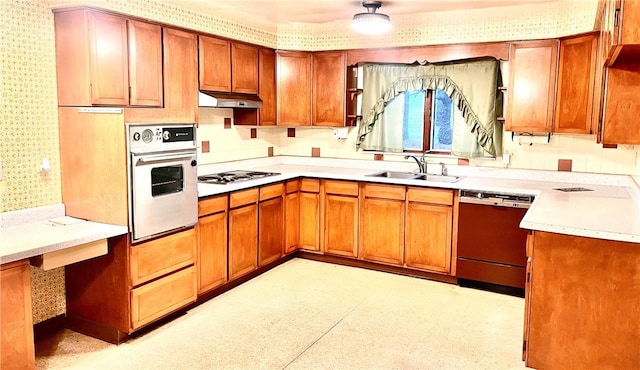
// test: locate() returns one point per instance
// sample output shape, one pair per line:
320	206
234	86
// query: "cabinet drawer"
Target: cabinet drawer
341	188
161	256
310	185
435	196
271	191
161	297
241	198
384	191
212	205
292	186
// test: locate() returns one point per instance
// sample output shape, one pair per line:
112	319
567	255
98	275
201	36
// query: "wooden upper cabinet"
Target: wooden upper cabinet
215	64
180	70
621	31
576	81
145	64
329	86
532	85
244	68
294	88
91	58
267	86
622	107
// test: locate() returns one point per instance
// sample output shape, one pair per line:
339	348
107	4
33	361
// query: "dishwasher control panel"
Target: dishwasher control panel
496	199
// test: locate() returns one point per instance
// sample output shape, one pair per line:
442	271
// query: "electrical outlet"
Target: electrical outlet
340	133
506	158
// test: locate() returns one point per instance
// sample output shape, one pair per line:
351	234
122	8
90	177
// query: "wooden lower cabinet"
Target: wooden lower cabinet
428	234
270	230
17	350
114	295
212	243
582	303
291	217
340	218
382	220
309	198
160	297
243	240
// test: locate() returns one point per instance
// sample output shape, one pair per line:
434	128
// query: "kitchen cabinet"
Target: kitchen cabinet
292	216
294	70
382	222
329	84
212	243
590	310
266	115
112	296
309	199
214	62
428	235
271	223
620	31
574	112
621	105
16	318
532	85
340	218
180	72
243	232
105	59
227	66
267	86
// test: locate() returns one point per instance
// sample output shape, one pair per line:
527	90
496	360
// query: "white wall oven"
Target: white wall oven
163	194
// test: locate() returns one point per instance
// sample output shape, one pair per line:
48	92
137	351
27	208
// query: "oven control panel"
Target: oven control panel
152	137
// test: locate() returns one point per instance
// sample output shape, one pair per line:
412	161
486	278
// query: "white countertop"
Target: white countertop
610	211
36	238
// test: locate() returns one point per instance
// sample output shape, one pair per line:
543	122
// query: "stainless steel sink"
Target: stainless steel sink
438	178
396	175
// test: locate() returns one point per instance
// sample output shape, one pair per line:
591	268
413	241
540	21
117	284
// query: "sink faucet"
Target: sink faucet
422	164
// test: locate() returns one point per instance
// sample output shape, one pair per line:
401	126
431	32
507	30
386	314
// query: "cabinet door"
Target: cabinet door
382	230
576	74
244	68
622	106
271	230
292	222
180	70
145	64
215	64
309	218
532	84
17	327
294	88
267	87
108	59
212	251
243	240
341	225
329	81
428	237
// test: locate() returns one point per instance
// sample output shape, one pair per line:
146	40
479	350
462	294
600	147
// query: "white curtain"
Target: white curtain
387	134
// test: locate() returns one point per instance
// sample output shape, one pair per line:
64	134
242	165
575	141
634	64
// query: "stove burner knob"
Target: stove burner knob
166	135
480	195
136	136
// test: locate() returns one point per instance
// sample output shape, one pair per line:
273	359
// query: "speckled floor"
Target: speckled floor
312	315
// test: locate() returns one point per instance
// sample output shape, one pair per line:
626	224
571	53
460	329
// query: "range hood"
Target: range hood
217	99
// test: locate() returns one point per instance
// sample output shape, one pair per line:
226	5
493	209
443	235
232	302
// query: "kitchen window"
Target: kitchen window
427	123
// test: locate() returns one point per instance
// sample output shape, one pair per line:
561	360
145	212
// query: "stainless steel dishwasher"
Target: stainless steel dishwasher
491	244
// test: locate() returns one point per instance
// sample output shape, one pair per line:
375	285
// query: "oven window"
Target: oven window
166	180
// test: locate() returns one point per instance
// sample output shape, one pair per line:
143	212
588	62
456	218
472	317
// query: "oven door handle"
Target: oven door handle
163	158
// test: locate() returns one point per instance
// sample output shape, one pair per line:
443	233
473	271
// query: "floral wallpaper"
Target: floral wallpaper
28	98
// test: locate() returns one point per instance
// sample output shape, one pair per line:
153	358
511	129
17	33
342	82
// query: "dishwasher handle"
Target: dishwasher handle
496	201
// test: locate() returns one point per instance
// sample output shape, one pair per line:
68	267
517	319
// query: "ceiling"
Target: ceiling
322	11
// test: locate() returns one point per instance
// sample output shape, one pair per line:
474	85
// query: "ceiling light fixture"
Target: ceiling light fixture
371	23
